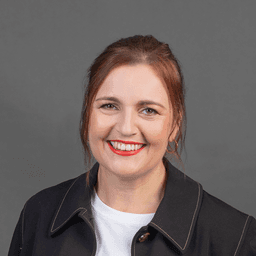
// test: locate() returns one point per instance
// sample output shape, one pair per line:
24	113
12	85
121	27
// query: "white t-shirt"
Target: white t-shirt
115	229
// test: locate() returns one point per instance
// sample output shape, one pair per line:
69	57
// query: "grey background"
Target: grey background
46	47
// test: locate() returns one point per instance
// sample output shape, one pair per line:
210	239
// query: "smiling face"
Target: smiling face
126	118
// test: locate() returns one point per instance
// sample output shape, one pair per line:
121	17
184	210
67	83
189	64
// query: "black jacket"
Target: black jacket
188	221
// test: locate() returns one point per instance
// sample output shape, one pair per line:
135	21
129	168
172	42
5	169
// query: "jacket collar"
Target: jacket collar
175	217
177	213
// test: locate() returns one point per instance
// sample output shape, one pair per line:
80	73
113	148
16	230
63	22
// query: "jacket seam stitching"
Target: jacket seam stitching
68	218
241	235
199	190
61	205
192	222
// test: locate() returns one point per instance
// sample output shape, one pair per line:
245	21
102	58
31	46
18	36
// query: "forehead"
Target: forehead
135	82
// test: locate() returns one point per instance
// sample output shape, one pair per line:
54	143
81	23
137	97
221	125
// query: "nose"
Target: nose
126	122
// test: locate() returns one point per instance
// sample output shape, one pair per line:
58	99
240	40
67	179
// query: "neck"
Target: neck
140	196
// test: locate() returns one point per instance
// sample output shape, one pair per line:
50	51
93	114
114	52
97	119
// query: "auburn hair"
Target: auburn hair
133	51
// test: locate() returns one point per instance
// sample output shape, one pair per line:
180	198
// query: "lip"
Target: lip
128	142
125	153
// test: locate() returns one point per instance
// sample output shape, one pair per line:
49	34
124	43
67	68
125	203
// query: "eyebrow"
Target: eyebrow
140	103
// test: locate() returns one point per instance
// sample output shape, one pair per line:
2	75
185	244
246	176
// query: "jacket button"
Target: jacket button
144	237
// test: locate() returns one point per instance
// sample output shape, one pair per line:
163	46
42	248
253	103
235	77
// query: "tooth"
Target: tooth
115	145
128	147
132	146
123	146
118	146
136	147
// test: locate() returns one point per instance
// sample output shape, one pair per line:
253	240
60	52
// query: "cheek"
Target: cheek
99	125
157	132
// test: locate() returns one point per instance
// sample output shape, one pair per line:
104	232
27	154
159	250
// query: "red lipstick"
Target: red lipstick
125	153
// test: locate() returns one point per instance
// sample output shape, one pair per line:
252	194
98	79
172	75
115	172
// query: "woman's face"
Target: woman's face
124	118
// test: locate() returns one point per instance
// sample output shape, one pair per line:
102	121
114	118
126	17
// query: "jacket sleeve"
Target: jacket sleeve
17	238
248	243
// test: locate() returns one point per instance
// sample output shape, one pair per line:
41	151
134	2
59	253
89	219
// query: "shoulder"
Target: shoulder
48	198
220	211
225	224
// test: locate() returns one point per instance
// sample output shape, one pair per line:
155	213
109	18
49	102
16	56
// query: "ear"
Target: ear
173	134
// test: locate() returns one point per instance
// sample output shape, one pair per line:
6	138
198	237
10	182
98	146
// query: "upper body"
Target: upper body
133	108
60	220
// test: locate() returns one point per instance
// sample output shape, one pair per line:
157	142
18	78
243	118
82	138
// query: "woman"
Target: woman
133	201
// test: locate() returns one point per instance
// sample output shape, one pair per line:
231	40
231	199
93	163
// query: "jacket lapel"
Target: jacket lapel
77	199
177	213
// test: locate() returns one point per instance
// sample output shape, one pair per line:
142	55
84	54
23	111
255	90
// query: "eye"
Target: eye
106	106
152	111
